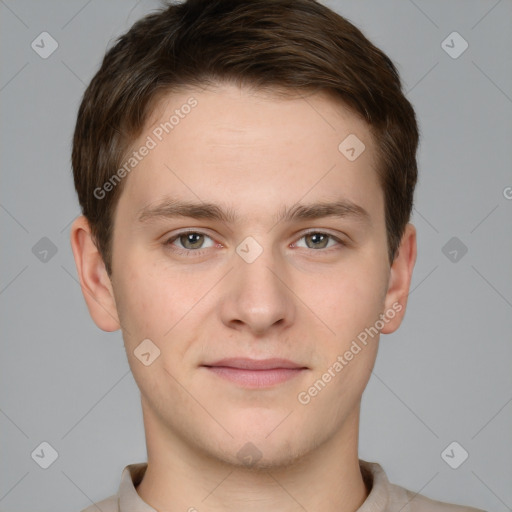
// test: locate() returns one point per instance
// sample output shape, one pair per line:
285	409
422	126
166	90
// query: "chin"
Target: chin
263	450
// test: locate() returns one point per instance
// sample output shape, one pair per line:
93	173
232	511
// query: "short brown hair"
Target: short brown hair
287	45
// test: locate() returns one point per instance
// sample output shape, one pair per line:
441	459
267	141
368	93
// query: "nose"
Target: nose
257	298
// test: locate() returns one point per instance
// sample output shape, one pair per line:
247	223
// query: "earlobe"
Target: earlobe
93	277
400	280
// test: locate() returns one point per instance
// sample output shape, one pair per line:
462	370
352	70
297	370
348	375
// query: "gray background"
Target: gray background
444	376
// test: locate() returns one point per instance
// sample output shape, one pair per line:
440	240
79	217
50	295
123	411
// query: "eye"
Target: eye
319	240
189	241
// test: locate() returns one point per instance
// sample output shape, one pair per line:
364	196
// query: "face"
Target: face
257	270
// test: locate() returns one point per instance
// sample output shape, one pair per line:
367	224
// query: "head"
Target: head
277	136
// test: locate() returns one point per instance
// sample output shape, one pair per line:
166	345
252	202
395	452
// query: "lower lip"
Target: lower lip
256	378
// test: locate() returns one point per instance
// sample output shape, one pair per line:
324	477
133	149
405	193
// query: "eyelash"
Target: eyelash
200	252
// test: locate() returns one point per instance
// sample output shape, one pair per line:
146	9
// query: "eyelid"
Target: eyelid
168	240
318	230
321	231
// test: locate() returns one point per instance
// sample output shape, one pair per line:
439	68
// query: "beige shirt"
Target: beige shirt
383	497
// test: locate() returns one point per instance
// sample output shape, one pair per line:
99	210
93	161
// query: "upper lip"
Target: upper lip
255	364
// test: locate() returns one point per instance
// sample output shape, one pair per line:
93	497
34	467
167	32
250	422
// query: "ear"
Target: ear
400	280
94	280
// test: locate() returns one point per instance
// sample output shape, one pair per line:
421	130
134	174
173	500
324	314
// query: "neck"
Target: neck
181	477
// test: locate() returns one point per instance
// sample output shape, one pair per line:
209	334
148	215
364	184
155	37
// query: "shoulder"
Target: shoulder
109	504
385	496
414	502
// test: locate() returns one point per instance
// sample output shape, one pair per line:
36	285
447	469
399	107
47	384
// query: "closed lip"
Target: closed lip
243	363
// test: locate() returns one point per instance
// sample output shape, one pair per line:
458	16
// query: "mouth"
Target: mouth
255	373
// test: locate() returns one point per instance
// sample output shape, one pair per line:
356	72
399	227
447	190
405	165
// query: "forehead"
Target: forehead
256	149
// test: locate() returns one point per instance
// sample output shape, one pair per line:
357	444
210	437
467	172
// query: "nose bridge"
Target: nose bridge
257	296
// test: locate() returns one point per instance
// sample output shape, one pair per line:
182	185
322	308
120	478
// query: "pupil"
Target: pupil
192	238
317	239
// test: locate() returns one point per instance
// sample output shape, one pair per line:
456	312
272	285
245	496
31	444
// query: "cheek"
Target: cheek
144	302
351	302
355	301
156	301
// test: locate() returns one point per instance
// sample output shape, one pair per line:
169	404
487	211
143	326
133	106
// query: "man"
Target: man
246	173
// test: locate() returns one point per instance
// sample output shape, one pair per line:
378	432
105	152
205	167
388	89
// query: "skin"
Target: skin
254	153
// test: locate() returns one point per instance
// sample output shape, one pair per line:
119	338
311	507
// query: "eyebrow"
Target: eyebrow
172	208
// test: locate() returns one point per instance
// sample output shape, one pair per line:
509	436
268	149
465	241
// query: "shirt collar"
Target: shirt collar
129	500
372	472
